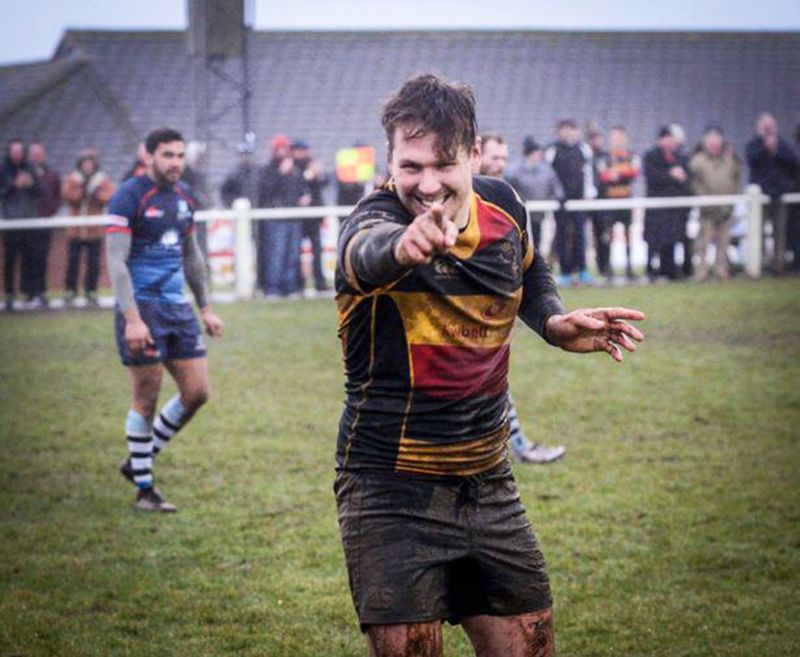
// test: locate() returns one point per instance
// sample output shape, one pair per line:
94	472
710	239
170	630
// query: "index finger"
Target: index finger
437	214
613	314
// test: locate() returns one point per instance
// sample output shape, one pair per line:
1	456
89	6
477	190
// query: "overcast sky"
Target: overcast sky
30	29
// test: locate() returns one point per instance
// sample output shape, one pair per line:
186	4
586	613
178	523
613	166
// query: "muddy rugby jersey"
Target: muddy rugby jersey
426	356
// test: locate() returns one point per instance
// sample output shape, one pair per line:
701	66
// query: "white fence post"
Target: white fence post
243	258
754	231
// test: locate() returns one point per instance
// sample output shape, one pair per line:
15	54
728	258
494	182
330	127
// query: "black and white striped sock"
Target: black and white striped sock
140	448
169	421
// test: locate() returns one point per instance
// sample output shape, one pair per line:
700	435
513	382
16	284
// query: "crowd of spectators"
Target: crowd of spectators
576	164
292	177
579	165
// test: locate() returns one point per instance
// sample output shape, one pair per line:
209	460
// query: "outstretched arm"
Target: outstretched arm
194	267
596	329
382	252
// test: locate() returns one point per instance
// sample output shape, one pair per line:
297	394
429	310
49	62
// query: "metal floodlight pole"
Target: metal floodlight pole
199	54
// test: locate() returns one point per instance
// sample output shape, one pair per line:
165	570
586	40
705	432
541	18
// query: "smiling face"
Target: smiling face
424	176
167	162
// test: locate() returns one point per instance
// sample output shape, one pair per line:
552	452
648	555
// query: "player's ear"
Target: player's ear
475	155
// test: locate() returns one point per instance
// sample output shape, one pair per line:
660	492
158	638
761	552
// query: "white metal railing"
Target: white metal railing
244	215
753	199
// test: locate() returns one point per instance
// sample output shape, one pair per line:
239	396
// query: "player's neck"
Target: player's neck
462	218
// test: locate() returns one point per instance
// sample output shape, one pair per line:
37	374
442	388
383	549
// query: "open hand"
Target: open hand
596	329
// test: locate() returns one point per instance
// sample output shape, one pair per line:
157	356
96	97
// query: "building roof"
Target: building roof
109	88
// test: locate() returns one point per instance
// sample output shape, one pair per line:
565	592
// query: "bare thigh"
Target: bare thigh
525	635
405	640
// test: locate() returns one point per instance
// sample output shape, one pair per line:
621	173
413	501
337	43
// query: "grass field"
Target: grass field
671	528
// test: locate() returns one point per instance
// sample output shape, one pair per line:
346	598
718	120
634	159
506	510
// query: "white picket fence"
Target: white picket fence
243	215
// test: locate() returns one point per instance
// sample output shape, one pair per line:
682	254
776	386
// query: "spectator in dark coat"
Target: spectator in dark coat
20	191
687	242
571	159
774	166
281	185
316	179
667	173
49	204
793	227
194	175
242	182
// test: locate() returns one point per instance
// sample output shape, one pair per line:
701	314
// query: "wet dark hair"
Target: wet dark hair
428	104
161	136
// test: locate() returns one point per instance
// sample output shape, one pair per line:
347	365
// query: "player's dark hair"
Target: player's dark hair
161	136
428	104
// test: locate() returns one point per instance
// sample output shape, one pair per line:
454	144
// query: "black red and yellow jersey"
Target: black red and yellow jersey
426	355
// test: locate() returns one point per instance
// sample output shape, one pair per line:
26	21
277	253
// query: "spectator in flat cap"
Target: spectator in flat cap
715	169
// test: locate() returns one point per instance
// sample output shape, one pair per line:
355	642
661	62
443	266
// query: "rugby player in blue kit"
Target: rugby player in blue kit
152	250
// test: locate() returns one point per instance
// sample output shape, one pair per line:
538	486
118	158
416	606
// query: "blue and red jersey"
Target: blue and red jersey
158	219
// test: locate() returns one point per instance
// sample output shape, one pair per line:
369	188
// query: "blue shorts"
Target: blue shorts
174	329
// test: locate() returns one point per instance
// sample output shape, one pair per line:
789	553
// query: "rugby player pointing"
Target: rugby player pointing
152	250
433	270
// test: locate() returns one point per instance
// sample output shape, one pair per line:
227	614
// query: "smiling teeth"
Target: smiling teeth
428	204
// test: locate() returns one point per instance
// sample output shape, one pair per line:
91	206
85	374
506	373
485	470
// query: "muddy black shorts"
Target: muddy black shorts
422	548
